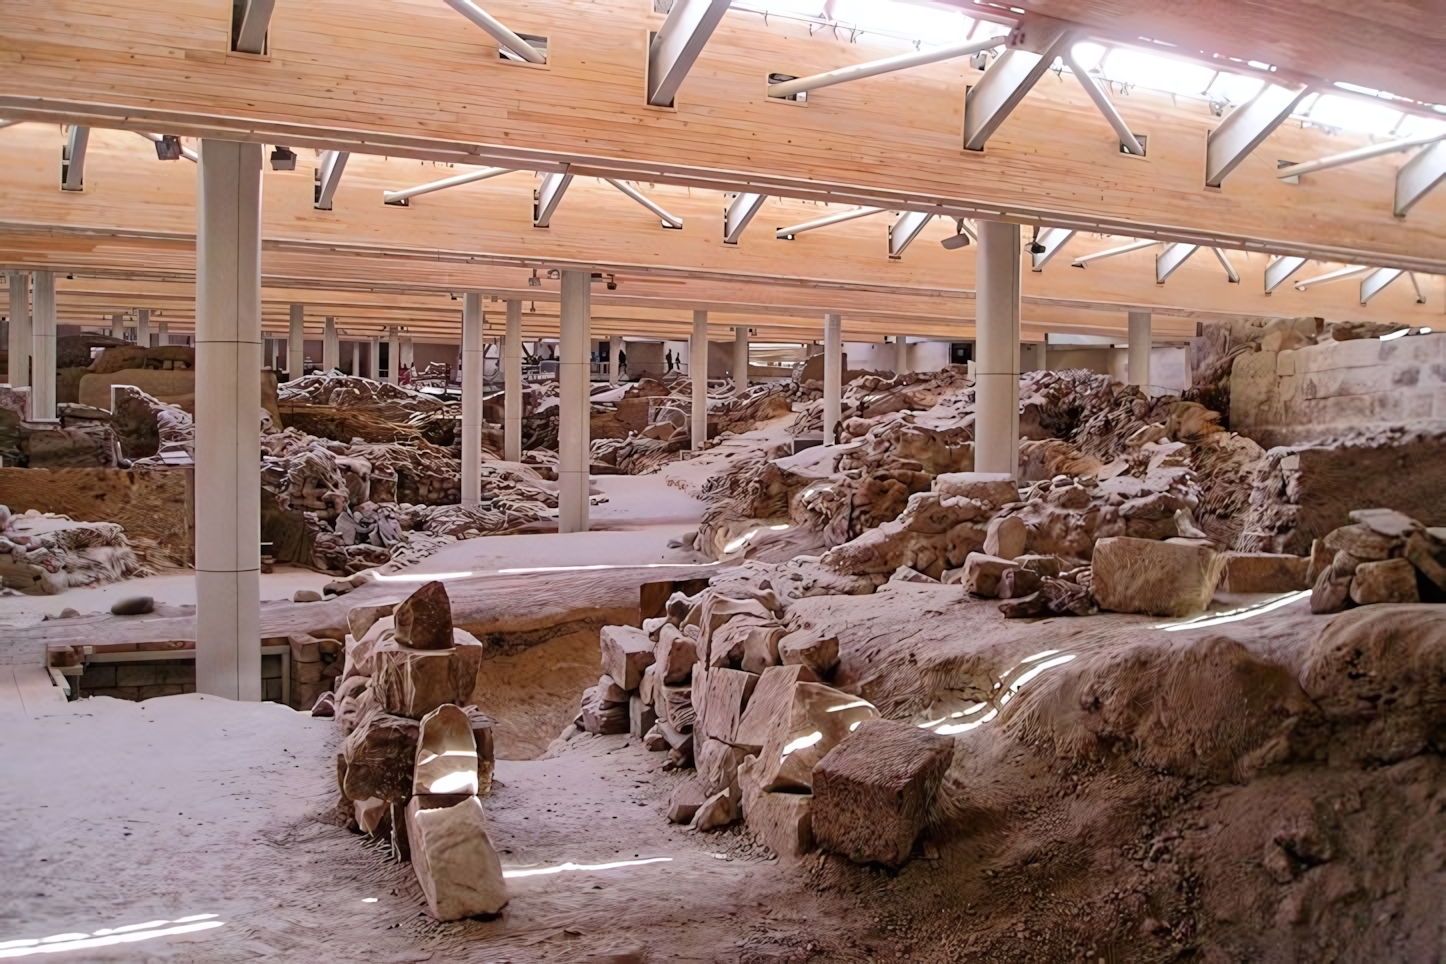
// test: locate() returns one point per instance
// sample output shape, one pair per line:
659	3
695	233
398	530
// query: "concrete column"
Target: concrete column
330	347
394	354
356	358
615	345
408	355
996	355
228	403
832	375
698	372
1140	341
473	360
374	354
143	327
118	326
512	384
901	354
740	357
163	332
296	342
574	407
21	334
42	347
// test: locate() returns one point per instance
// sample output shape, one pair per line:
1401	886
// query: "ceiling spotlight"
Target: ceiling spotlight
957	241
283	159
553	274
534	281
1034	246
168	148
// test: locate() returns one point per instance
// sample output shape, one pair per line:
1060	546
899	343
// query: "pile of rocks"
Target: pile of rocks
1383	556
42	554
417	755
730	686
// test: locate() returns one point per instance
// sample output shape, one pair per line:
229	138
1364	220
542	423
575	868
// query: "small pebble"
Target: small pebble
133	606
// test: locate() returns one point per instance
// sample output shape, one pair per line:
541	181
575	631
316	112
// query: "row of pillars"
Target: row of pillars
228	355
397	349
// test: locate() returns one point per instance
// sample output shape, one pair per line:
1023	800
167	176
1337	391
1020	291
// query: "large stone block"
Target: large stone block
1264	572
1005	537
626	652
982	573
1426	554
377	758
1388	581
782	822
995	488
446	758
871	793
483	739
414	682
674	654
601	717
360	619
726	697
717	763
809	648
811	722
460	872
1159	578
424	619
771	695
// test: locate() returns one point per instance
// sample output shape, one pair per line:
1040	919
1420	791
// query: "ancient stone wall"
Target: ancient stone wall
1317	391
155	505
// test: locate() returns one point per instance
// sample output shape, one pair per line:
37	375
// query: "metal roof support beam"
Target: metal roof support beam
328	176
186	152
786	234
1128	140
1279	269
904	230
499	32
1085	259
1249	124
1418	176
1053	239
1224	260
1340	274
738	213
251	34
72	168
669	220
547	197
677	45
1169	259
1003	86
1357	155
1376	282
792	88
403	196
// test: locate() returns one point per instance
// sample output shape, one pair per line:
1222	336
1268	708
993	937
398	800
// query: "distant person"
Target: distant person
622	364
668	357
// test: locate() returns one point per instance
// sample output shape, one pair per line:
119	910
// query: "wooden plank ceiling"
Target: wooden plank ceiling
410	78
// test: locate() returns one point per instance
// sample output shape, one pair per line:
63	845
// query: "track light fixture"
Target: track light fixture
283	159
168	148
958	240
1034	246
534	281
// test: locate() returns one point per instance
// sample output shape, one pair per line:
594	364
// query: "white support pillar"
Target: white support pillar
901	354
832	375
296	343
394	354
374	354
740	357
330	347
574	406
118	326
473	359
143	327
42	347
21	333
163	332
356	358
512	384
408	354
698	372
615	345
228	403
996	355
1139	351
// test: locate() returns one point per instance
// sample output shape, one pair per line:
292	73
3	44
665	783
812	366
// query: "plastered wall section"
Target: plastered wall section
1279	398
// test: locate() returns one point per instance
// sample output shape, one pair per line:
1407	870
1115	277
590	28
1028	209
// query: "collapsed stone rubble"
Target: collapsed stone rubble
417	755
48	553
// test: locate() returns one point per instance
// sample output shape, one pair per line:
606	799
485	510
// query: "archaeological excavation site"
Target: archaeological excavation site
723	481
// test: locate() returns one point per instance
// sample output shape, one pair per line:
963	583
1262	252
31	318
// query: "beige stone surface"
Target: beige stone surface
727	692
1158	578
982	573
782	822
414	682
813	719
626	652
811	649
460	872
1005	537
1388	581
446	757
1264	572
377	758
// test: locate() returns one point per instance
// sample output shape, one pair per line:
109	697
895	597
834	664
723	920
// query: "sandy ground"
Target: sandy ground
124	814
